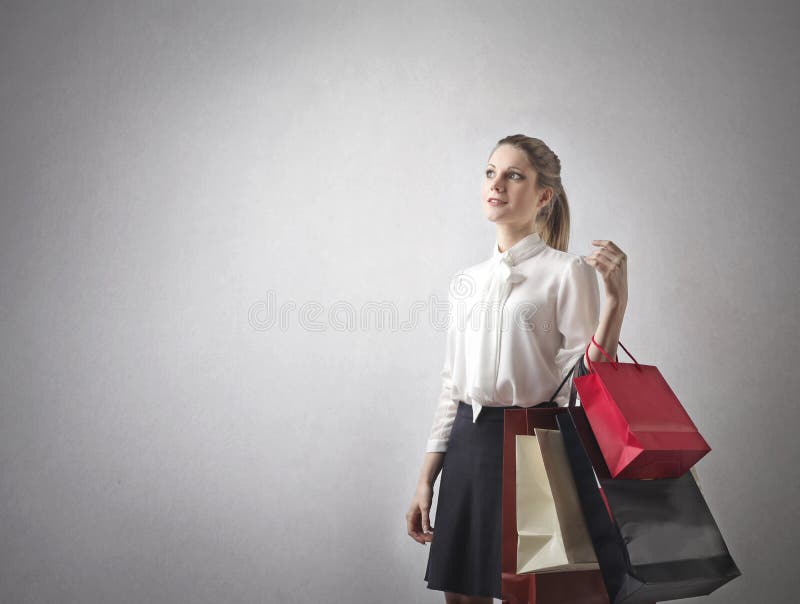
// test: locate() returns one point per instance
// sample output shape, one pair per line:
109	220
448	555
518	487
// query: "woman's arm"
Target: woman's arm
431	466
612	264
608	331
418	517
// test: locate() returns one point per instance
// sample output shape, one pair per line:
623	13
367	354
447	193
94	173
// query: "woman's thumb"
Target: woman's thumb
426	523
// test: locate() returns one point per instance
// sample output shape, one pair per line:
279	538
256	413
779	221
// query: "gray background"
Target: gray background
174	175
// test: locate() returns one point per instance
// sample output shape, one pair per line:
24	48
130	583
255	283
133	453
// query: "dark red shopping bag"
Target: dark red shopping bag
640	425
575	587
572	587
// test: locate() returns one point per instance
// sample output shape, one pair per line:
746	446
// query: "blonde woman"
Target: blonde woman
519	321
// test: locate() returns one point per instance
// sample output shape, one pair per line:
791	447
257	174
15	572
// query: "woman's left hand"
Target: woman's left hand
611	263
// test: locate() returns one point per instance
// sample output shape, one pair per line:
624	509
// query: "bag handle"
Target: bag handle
573	392
605	354
552	402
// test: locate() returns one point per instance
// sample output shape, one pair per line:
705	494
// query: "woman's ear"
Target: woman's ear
545	199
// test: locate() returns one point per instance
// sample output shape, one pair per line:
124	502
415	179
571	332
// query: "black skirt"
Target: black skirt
464	555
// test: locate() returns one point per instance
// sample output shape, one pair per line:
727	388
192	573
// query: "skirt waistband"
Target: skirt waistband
486	411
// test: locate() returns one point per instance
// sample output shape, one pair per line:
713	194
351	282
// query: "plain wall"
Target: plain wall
174	175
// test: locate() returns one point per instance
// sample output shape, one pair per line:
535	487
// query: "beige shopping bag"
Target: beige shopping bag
552	533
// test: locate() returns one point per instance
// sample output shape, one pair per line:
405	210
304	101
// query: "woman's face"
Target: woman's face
510	179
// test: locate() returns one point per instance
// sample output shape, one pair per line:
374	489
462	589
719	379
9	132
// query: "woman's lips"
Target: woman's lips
496	202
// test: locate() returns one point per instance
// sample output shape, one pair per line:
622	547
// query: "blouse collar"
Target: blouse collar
522	249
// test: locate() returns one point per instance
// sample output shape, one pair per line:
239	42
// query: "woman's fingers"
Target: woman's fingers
609	246
416	519
607	243
426	523
608	258
605	254
601	264
413	520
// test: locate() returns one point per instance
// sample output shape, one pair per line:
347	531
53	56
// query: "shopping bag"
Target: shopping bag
655	540
640	425
570	587
575	587
551	533
517	422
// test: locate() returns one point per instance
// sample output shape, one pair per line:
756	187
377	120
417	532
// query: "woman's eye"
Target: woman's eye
510	174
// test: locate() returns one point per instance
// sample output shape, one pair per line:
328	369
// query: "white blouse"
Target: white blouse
518	322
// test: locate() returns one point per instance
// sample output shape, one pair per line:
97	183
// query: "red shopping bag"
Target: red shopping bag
640	425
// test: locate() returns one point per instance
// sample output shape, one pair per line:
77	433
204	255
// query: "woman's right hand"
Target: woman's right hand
417	517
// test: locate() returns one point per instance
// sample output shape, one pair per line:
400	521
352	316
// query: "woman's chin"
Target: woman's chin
494	216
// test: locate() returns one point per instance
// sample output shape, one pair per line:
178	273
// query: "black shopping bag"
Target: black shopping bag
655	540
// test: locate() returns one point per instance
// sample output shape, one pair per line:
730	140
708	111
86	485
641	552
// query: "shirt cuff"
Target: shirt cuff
436	445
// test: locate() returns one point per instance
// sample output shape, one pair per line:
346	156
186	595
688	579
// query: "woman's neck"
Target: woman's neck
507	236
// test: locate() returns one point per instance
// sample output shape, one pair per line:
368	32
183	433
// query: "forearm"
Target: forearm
431	466
608	330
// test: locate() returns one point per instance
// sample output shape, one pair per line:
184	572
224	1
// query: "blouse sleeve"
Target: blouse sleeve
577	312
446	407
443	417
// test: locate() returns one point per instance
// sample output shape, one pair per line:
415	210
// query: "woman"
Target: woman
519	322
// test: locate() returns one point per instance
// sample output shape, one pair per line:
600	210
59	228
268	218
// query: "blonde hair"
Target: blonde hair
552	221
